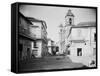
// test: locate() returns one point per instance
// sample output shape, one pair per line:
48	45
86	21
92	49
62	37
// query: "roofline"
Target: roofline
82	26
79	27
20	14
36	20
49	39
33	19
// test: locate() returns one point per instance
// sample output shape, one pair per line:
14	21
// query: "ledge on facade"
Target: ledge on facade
41	40
28	37
78	41
52	46
36	47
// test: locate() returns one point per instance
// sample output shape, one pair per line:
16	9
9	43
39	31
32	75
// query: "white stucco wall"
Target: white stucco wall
80	33
49	43
39	45
50	50
86	49
86	34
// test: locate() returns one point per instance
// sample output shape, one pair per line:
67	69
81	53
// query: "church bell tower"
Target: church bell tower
69	22
69	18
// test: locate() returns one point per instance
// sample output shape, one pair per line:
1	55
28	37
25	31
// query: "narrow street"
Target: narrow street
47	63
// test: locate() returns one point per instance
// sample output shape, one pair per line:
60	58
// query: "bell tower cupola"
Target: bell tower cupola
69	18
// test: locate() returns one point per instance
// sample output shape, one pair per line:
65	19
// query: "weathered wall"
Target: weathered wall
88	48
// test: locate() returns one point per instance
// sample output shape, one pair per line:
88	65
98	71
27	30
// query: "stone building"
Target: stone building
39	28
25	39
32	38
52	47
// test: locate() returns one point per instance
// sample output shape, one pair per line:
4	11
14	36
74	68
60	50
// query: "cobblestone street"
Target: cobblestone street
47	63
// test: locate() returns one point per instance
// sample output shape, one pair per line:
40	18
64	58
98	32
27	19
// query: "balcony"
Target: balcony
23	31
26	33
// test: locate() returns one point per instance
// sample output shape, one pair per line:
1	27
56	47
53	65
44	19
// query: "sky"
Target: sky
54	16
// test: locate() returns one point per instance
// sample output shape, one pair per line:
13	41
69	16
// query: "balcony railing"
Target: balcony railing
26	32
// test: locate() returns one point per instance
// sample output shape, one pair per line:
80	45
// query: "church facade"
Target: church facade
79	40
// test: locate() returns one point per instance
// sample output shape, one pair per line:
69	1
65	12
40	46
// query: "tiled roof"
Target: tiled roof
36	20
33	19
87	24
